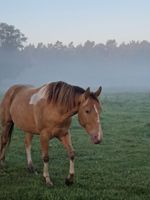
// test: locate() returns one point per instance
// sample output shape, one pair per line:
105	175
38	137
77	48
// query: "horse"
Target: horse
47	111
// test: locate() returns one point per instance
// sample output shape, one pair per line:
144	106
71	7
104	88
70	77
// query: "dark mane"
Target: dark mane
78	89
64	94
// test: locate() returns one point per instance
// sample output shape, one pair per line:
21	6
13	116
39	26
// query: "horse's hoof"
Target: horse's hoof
49	184
68	181
32	170
36	172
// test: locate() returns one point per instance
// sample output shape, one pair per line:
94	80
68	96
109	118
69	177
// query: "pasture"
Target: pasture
119	168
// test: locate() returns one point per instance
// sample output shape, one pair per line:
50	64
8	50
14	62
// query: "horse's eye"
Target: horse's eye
87	111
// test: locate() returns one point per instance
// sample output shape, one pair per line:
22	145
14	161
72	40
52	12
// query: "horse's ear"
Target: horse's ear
85	95
98	92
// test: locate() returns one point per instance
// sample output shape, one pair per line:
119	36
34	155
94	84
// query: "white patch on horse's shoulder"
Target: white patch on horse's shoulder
97	113
35	98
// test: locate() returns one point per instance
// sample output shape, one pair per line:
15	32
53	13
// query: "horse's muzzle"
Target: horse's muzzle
95	139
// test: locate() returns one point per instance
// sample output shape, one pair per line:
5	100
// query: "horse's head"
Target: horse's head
89	114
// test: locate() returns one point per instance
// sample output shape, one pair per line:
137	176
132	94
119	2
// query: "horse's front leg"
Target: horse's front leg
66	141
44	140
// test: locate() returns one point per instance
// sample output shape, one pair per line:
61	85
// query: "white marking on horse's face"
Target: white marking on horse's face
97	113
100	132
35	98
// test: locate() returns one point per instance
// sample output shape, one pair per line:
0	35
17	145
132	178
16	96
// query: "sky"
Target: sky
78	20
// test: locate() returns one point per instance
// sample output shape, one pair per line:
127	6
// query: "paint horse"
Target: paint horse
47	112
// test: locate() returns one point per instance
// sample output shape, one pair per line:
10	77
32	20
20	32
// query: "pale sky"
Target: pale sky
78	20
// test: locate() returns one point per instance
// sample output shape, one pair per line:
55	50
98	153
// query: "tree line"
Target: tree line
16	55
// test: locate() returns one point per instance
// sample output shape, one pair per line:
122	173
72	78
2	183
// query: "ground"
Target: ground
118	169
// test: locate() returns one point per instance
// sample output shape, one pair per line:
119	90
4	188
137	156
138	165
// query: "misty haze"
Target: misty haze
100	116
123	66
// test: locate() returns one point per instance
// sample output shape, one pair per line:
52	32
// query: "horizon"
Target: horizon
83	42
78	21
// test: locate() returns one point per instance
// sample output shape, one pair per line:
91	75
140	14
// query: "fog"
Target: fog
114	67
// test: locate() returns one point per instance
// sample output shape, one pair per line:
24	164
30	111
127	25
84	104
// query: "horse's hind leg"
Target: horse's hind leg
7	129
28	140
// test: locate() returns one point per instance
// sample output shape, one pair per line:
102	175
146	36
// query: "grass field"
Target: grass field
117	169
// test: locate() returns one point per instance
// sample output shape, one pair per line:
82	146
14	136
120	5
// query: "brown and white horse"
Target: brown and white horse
47	112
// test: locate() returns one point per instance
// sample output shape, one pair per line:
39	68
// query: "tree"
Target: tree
111	44
89	44
71	45
59	45
11	38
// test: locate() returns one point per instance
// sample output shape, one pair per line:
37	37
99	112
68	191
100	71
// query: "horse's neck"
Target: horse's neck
73	110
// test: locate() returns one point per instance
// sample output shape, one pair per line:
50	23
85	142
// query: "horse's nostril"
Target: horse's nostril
95	139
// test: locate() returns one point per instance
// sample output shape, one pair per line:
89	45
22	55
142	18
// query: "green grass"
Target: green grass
117	169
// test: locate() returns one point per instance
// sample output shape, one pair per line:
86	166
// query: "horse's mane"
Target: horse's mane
64	94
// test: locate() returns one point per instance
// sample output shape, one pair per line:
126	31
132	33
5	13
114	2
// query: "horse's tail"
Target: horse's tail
6	123
5	139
